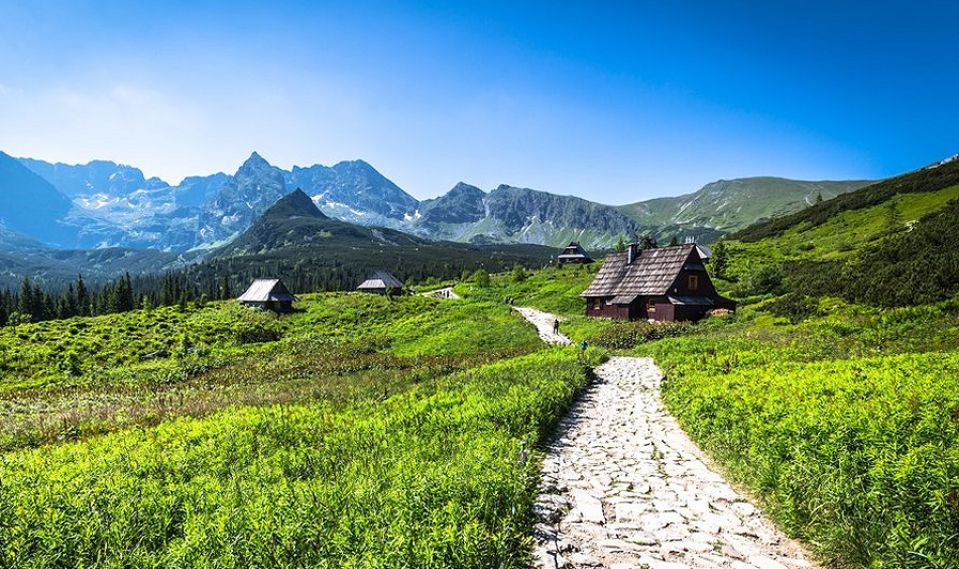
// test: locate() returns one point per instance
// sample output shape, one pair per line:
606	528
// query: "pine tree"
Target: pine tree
620	245
83	297
719	260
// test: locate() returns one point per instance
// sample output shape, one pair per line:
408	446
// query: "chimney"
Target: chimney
631	253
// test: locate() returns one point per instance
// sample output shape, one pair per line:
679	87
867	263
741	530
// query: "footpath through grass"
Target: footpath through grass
846	424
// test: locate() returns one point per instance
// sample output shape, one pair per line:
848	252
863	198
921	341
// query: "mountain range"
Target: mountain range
103	204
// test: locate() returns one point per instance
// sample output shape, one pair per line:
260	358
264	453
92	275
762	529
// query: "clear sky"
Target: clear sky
615	102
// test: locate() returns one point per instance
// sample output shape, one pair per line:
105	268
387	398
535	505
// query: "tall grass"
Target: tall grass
433	477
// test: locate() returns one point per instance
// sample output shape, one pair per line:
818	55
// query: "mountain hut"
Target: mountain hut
381	282
666	284
268	294
574	253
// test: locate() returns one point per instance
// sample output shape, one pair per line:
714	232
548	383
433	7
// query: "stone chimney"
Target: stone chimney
631	252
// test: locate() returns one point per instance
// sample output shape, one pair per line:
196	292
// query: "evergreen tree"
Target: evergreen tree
620	245
83	297
719	260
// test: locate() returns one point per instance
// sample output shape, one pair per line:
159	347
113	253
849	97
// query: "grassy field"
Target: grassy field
844	424
68	379
359	431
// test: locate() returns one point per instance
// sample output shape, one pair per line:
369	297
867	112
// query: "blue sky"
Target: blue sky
615	102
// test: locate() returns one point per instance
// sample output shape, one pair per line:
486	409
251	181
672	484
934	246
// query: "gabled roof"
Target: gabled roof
266	290
651	273
574	251
380	280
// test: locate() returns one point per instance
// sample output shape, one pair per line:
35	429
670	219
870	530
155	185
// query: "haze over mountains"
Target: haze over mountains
103	204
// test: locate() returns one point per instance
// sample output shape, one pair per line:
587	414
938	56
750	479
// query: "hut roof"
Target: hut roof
651	273
574	251
380	280
266	290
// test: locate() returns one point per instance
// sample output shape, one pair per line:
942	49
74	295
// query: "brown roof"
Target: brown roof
651	273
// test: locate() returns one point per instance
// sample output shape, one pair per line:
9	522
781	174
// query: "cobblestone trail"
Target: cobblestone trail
544	325
446	292
624	487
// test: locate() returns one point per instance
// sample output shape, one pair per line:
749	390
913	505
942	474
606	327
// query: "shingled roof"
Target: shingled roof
380	280
574	252
267	290
651	273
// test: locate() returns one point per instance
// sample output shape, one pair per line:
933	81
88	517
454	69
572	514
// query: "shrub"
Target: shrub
629	335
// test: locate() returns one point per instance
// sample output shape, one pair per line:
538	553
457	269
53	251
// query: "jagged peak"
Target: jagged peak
255	159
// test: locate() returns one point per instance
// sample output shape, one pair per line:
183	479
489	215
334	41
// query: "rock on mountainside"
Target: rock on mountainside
729	205
353	191
116	205
31	206
521	215
294	221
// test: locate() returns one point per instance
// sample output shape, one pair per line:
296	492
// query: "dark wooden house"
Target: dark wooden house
268	294
381	282
667	283
574	253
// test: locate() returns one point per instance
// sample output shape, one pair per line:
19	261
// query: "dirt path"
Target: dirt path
624	487
446	292
544	325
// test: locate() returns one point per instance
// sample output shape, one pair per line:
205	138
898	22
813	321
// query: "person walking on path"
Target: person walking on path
556	326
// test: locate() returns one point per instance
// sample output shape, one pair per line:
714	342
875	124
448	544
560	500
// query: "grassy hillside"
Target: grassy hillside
359	431
917	182
729	205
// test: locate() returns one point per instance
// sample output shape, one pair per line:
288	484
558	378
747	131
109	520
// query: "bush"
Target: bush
629	335
767	279
795	307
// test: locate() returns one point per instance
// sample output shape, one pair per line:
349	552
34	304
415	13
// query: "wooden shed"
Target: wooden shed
381	282
574	253
667	283
268	294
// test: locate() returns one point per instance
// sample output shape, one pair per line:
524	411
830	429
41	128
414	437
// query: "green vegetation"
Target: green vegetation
436	476
845	424
68	379
555	289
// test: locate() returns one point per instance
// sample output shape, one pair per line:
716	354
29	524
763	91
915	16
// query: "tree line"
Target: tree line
33	303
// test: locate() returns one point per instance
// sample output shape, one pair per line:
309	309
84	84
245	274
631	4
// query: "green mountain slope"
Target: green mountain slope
890	244
728	205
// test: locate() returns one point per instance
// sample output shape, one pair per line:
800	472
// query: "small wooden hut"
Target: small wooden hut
667	283
381	282
268	294
574	253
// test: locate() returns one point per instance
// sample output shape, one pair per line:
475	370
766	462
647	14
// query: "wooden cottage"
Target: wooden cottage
268	294
574	253
667	283
381	282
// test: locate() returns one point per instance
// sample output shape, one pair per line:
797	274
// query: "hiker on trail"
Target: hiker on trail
556	326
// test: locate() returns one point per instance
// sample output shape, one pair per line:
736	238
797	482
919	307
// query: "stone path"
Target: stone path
446	292
624	487
544	325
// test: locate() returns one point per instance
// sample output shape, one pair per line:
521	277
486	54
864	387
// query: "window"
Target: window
651	305
693	282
